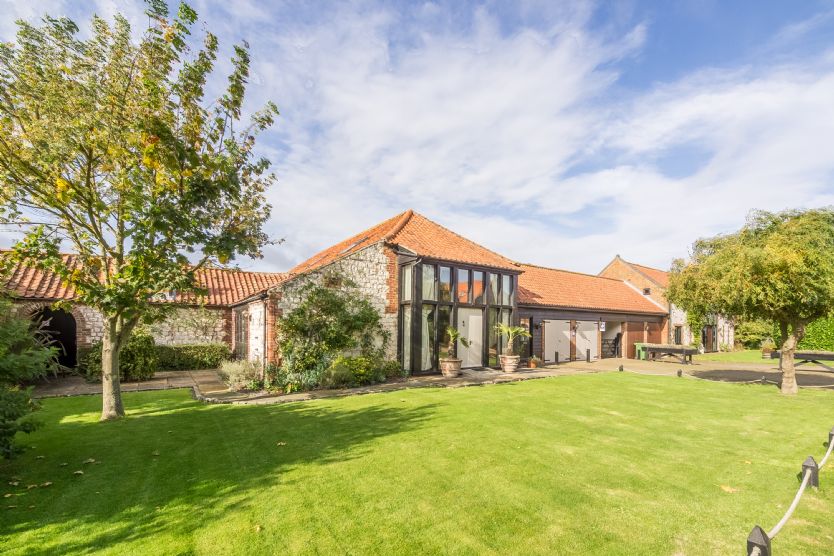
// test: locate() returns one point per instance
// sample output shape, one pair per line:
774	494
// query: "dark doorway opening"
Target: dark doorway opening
59	325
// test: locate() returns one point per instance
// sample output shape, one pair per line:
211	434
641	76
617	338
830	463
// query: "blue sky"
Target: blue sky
558	134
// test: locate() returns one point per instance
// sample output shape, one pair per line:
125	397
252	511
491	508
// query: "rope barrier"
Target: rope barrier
778	527
758	542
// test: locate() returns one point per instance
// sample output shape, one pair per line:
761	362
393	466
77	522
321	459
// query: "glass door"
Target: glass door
471	326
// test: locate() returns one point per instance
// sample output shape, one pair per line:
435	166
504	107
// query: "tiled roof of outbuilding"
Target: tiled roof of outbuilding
417	234
551	287
224	286
660	277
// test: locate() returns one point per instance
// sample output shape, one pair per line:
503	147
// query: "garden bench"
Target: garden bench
807	356
681	353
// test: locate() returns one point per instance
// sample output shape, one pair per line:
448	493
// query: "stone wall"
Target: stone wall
193	325
373	269
89	323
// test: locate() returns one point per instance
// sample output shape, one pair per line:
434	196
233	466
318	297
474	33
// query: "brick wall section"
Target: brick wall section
373	269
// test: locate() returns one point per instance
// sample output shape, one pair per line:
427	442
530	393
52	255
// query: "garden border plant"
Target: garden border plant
334	322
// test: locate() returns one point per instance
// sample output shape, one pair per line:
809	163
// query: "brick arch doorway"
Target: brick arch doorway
61	328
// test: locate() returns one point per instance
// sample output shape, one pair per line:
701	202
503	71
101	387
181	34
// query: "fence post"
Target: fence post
758	539
811	464
557	357
680	373
621	368
588	355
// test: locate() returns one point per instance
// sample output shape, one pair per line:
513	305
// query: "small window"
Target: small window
444	284
478	287
429	283
493	288
647	291
405	281
463	286
506	290
678	335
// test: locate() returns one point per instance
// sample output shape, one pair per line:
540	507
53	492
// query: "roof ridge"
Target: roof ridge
454	233
404	218
570	271
644	266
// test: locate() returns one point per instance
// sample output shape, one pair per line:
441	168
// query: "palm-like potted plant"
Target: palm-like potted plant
450	366
509	359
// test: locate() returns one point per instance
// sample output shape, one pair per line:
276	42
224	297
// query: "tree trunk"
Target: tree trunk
111	391
790	338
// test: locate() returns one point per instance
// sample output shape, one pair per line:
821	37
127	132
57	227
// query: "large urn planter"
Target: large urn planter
450	367
509	363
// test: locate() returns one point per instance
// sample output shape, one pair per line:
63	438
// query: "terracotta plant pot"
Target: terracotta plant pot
450	367
509	363
533	364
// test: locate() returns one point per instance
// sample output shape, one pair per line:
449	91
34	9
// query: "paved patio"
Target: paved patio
206	381
208	386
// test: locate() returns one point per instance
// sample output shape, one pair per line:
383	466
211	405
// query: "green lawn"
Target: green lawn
609	463
743	356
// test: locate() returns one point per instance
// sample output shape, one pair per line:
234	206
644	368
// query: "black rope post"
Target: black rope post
680	373
758	539
621	368
556	357
811	465
588	355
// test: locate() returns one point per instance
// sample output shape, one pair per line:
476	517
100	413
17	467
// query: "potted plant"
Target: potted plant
768	346
450	366
509	360
535	362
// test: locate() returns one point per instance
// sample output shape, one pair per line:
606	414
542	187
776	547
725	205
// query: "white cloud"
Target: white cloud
483	131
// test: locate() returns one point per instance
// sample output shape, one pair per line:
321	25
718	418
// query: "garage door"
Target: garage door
586	339
556	339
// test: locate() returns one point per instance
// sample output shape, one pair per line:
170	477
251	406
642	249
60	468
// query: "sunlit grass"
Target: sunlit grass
605	464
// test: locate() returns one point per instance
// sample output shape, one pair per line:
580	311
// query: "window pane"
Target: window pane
445	284
505	319
427	337
429	286
492	320
478	287
405	334
463	286
406	274
444	318
506	290
493	288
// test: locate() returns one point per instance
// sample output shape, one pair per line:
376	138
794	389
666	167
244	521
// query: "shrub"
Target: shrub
751	333
191	356
346	372
137	360
333	318
242	375
24	354
819	335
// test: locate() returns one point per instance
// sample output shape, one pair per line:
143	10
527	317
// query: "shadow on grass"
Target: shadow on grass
803	378
173	466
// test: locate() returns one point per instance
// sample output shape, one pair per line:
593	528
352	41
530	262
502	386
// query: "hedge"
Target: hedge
137	360
191	356
141	358
819	335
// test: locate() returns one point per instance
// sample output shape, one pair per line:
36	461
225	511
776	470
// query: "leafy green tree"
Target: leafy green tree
25	354
107	145
779	267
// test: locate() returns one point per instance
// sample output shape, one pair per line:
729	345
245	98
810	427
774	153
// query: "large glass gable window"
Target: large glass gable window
434	296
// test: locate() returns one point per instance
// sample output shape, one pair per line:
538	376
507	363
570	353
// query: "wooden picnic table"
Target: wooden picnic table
807	356
681	353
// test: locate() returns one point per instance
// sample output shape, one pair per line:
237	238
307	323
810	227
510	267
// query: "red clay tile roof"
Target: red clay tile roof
660	277
225	286
561	288
419	235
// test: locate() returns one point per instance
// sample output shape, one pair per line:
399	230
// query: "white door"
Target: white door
586	339
471	327
556	339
